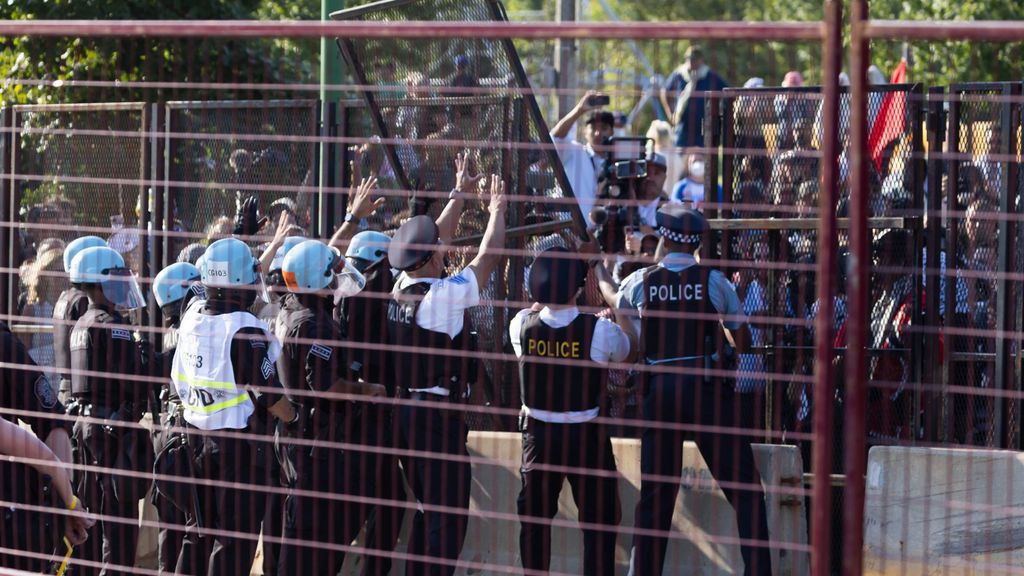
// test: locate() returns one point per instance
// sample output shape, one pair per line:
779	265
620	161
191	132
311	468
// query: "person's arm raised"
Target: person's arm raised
493	241
362	205
561	130
448	220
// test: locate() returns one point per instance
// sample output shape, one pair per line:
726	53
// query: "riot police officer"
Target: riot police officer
562	383
109	389
224	371
174	288
686	314
24	388
426	319
312	367
363	319
70	306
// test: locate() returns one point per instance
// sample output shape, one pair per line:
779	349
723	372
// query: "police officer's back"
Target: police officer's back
562	384
70	306
108	382
686	313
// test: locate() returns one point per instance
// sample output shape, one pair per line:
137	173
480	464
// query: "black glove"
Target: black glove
247	219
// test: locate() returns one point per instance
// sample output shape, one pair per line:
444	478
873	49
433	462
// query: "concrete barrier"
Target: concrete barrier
940	511
702	516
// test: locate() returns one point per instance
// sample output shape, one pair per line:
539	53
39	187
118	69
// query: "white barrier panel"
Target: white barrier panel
940	511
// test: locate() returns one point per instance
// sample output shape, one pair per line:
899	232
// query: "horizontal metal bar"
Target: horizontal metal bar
80	107
359	29
240	104
31	328
988	30
519	231
837	480
801	223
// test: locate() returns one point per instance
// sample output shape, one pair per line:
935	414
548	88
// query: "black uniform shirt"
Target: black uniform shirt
71	305
106	361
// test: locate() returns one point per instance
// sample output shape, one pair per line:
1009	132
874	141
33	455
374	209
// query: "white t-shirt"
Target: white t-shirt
582	169
609	344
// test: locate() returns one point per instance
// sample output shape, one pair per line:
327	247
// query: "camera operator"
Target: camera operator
584	162
629	193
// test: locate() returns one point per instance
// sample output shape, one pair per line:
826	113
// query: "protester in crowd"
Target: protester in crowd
660	133
684	95
583	162
791	107
691	189
43	280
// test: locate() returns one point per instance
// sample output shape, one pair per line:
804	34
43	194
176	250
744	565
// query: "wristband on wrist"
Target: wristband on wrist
74	503
452	195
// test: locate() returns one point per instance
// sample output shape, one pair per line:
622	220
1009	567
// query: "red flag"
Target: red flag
890	119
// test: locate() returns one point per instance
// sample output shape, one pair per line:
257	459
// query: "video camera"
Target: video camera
624	171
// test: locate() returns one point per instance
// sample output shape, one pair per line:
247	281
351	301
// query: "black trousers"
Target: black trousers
671	398
111	493
319	521
435	434
235	512
25	532
380	478
171	535
587	450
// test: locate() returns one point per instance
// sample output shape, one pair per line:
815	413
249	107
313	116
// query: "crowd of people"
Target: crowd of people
298	386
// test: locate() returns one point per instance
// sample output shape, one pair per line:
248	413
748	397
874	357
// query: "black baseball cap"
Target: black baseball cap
602	117
556	275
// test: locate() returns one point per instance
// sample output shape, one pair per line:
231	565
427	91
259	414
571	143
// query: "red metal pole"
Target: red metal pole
986	30
365	29
857	332
821	499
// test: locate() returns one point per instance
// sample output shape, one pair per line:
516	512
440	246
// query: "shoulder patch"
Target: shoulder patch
44	393
120	334
268	369
458	280
257	343
322	352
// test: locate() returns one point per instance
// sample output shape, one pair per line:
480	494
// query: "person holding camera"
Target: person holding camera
584	163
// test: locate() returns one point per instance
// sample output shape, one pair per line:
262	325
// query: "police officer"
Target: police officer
109	388
364	321
24	388
426	319
174	288
224	372
70	306
562	382
686	314
313	368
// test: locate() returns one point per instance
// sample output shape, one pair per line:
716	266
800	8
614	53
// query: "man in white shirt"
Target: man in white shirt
562	371
426	326
583	162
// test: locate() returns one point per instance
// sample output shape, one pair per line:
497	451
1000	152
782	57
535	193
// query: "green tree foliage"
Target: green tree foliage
30	66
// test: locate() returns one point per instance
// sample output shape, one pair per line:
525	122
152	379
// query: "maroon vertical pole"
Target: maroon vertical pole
821	498
857	328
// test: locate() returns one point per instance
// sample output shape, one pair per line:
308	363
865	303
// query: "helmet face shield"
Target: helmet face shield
122	290
262	294
347	282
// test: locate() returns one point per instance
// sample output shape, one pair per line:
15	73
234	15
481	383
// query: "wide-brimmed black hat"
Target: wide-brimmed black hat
556	275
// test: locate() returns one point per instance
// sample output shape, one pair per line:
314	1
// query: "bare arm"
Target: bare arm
282	230
494	236
363	204
739	339
20	443
561	129
283	410
609	288
345	386
465	183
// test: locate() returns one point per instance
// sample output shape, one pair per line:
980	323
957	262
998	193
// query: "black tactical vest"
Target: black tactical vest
90	352
551	372
70	306
429	362
676	315
363	318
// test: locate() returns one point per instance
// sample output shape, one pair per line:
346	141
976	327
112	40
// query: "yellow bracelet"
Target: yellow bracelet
74	503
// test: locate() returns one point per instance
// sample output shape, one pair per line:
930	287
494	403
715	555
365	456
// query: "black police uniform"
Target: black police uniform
678	332
23	387
70	306
311	361
430	359
167	417
364	321
105	360
238	456
560	387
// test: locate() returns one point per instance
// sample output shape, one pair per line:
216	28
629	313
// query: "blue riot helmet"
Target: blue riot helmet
103	266
229	264
274	273
77	245
313	267
367	248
